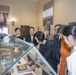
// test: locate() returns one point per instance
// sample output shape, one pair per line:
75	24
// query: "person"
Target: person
18	33
31	37
64	52
46	48
57	45
10	72
69	36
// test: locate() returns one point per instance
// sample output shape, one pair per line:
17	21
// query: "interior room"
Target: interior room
29	17
30	12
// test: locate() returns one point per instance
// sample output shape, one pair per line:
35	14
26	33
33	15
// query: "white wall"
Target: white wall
40	13
25	12
31	13
64	12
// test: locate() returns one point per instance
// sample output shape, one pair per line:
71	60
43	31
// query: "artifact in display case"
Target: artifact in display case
22	68
28	74
16	56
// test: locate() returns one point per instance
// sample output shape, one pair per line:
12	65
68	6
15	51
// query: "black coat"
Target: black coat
57	46
46	49
20	37
28	39
47	52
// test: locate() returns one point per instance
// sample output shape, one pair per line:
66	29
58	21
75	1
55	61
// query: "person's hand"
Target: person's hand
29	63
32	68
38	61
58	68
11	71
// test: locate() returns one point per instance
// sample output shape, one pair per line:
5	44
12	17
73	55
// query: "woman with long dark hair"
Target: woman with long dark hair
64	52
69	35
46	49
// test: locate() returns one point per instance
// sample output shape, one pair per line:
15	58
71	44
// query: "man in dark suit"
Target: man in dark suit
31	38
57	45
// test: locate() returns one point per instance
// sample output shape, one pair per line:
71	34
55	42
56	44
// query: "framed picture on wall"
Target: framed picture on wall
48	11
5	19
4	16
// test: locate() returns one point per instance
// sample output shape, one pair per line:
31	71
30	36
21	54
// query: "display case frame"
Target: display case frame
28	50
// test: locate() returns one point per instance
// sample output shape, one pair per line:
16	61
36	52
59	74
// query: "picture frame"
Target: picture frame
48	10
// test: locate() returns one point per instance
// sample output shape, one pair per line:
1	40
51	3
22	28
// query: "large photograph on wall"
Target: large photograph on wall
4	16
48	16
48	11
4	19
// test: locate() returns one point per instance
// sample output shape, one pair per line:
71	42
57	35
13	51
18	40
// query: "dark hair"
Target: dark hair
17	28
60	29
70	30
57	25
40	36
32	28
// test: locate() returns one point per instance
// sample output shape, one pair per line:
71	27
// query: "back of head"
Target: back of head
60	29
70	30
57	25
40	36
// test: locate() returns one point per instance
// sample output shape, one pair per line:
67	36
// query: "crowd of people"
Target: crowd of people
58	50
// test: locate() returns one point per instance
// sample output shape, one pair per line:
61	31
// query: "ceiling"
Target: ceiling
33	0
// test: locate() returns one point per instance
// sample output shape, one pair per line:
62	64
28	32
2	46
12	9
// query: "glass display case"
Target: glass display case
18	57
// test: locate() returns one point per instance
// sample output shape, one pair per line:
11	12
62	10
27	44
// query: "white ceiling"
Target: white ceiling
32	0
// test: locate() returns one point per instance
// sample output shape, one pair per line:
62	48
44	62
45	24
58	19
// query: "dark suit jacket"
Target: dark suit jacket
28	39
47	52
20	37
57	46
46	49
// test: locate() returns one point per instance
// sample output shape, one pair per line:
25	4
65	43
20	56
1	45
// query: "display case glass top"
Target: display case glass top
18	57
